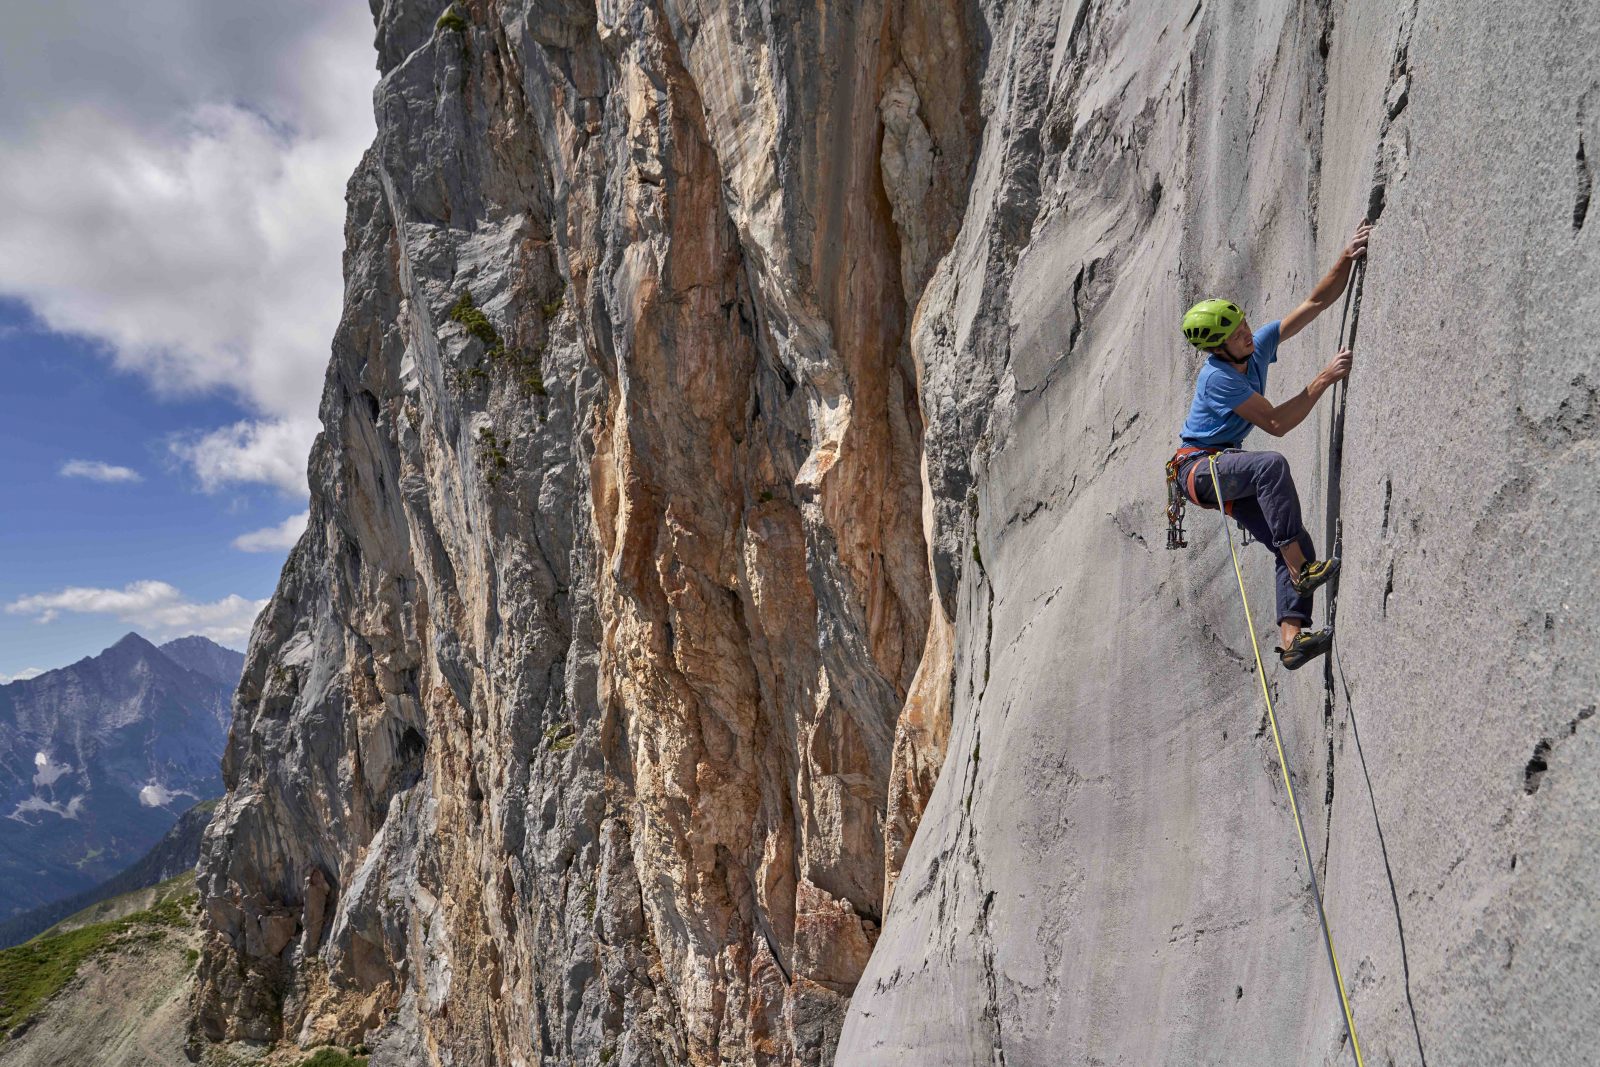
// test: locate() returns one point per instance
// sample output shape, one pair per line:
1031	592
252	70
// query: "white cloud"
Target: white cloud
188	213
96	471
272	452
149	605
144	63
274	538
206	259
22	675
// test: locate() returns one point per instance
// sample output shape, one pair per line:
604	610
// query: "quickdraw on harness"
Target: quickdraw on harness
1176	502
1181	493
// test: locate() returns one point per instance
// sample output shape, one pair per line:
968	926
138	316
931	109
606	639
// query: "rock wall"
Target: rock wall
573	733
1108	870
740	405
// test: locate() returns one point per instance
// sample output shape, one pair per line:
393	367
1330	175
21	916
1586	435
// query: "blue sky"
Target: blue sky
171	226
63	403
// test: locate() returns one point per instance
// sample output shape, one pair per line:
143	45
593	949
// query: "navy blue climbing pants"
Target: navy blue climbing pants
1265	503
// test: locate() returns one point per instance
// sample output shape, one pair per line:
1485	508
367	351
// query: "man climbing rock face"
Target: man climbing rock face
1257	489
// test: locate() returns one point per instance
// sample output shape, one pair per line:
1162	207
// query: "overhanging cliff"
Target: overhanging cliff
736	402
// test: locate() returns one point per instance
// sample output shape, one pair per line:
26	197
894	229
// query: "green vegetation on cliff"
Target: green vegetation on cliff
524	367
451	20
333	1057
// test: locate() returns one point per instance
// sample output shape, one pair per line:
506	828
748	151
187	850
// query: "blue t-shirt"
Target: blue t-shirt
1212	420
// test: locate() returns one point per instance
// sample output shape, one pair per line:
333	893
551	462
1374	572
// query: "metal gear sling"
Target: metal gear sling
1181	493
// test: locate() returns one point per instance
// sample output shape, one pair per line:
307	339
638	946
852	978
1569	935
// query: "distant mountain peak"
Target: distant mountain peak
130	641
130	648
192	641
93	755
205	656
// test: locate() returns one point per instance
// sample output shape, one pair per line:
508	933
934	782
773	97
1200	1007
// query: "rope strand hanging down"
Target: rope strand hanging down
1283	766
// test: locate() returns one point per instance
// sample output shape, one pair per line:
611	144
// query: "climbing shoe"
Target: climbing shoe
1306	646
1316	572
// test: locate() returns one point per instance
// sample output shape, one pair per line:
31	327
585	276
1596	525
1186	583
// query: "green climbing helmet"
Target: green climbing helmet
1208	323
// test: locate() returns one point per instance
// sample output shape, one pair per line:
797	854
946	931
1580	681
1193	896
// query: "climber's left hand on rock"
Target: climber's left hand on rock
1358	243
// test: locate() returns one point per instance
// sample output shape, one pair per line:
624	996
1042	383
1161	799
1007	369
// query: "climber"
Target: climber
1257	489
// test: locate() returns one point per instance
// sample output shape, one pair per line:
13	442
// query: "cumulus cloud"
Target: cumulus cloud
22	675
179	199
274	538
149	605
96	471
272	452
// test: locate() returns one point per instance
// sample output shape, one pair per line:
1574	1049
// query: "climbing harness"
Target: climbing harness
1283	766
1176	463
1181	493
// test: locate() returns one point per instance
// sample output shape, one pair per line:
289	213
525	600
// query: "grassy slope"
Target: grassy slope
126	906
33	972
330	1057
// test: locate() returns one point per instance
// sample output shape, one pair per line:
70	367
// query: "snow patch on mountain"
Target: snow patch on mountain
69	810
49	771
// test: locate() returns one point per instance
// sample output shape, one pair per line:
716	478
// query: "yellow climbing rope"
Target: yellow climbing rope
1283	765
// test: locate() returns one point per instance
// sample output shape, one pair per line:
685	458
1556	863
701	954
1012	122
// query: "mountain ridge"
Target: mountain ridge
92	757
204	656
176	852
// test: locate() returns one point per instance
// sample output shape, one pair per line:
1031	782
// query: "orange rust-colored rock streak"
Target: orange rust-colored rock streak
594	715
760	738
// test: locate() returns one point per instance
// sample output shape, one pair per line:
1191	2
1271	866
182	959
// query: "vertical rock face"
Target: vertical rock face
569	735
737	403
1108	871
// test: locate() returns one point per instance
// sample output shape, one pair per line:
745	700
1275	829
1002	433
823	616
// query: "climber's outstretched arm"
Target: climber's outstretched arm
1329	289
1279	419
